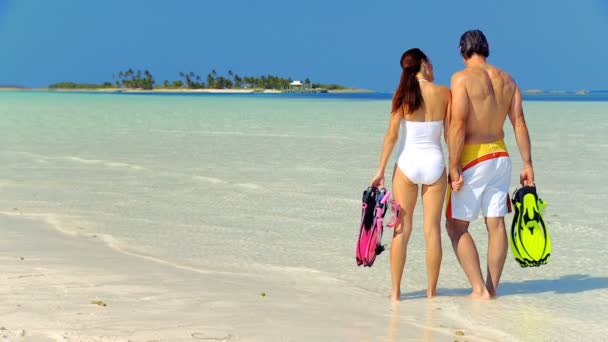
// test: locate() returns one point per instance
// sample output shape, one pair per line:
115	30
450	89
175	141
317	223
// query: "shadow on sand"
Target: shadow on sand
572	283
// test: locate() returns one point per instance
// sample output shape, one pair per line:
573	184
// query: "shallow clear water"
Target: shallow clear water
252	184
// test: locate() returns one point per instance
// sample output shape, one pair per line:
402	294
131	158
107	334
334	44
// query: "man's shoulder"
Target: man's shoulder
460	73
502	73
460	76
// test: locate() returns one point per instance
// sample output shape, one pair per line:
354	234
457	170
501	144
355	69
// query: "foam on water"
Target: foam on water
274	184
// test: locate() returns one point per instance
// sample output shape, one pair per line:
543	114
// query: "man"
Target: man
479	166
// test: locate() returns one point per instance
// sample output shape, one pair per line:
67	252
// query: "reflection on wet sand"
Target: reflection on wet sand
402	313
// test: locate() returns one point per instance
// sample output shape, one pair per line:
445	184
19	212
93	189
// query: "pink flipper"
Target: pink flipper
374	207
395	209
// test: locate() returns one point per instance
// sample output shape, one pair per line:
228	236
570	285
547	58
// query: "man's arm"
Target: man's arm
456	132
516	115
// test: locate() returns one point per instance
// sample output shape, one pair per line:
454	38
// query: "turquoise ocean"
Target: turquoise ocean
271	183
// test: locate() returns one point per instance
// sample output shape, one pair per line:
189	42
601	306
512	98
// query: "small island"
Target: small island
534	92
137	81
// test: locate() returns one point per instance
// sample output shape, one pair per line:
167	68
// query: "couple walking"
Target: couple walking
472	116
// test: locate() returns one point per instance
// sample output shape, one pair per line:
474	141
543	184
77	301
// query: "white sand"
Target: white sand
50	279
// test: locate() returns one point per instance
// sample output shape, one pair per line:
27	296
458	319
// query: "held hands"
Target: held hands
526	178
456	179
378	180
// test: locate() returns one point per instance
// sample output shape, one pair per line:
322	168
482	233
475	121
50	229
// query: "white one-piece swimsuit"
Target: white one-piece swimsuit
420	156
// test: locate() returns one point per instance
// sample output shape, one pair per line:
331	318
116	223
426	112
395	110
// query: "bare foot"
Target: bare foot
431	293
395	296
480	294
491	290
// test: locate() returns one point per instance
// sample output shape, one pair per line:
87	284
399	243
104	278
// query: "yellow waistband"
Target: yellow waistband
475	153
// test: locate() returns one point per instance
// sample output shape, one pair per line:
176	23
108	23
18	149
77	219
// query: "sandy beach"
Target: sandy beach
130	90
57	287
175	91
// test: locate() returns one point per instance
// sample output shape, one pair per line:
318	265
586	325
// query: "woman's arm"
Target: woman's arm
448	112
456	132
390	139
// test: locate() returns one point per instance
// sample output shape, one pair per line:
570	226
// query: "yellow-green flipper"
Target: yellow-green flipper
530	240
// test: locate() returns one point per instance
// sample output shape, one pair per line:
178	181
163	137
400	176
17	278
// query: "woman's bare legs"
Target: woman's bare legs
406	193
432	201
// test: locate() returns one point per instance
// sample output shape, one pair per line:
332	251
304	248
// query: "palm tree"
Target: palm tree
307	82
211	79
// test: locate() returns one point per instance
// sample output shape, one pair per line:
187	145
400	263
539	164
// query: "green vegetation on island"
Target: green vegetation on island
329	86
138	79
72	85
134	79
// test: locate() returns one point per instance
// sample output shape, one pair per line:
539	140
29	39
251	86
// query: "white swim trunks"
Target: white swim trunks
486	169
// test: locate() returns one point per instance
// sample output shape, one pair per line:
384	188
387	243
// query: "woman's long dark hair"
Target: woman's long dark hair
408	93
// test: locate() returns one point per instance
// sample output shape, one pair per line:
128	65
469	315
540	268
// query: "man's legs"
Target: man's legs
467	255
495	204
497	251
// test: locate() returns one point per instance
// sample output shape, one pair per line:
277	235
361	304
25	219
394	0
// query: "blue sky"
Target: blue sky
543	44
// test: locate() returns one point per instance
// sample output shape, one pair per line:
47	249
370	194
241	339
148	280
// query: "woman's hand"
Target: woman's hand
456	180
378	180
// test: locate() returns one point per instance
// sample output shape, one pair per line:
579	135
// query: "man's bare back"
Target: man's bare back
489	92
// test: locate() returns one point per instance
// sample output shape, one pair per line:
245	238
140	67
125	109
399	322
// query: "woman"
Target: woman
420	110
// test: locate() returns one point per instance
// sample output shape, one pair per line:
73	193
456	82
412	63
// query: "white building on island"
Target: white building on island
296	85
